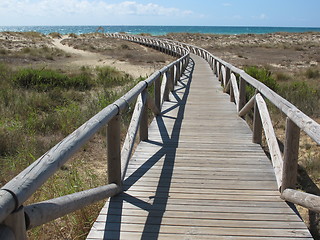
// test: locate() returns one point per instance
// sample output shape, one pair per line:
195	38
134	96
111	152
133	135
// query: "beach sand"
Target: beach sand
289	52
285	52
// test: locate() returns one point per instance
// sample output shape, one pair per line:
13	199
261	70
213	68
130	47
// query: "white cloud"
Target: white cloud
226	4
65	8
262	16
237	17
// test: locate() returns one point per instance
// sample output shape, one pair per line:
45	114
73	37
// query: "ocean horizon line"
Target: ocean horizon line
158	29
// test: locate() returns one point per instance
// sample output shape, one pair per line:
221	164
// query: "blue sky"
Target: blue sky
284	13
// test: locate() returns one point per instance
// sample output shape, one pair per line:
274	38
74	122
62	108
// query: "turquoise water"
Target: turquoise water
158	30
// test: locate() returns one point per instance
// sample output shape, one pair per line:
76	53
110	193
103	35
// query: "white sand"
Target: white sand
86	58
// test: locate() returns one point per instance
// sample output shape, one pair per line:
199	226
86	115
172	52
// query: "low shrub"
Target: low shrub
44	80
303	95
55	35
312	73
111	77
281	76
263	75
3	51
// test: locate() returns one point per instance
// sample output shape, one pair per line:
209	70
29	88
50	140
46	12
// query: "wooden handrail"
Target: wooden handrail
19	189
46	211
306	200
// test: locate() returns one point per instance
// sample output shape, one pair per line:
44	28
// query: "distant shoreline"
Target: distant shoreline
159	30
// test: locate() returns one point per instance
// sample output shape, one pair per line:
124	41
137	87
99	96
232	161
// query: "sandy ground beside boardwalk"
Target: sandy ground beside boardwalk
71	52
92	59
288	52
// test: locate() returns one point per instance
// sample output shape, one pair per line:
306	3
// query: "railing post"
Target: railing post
242	93
144	119
291	151
17	224
114	151
228	75
165	87
178	74
157	92
215	70
220	74
6	233
257	125
170	78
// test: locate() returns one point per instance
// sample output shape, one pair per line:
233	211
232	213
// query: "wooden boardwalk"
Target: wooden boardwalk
199	176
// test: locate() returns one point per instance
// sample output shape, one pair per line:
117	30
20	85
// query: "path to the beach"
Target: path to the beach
86	58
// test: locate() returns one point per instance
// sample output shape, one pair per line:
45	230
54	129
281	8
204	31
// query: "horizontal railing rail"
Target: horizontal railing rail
15	218
234	82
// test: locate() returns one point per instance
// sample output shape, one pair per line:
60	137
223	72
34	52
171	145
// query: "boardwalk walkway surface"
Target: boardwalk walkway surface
199	176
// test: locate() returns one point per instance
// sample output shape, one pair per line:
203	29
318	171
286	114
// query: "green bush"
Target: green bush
303	95
3	51
55	35
44	80
263	75
312	73
111	77
281	76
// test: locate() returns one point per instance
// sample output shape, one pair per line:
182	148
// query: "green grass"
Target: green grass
312	73
263	75
38	108
302	94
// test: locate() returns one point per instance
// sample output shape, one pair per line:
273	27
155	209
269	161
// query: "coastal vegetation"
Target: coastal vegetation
38	107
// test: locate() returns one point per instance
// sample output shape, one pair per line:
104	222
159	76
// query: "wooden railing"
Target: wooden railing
15	218
234	82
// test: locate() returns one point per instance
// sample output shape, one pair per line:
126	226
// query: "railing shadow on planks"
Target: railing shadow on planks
15	218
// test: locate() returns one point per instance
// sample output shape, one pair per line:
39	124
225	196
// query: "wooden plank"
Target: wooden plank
167	236
197	222
205	215
218	231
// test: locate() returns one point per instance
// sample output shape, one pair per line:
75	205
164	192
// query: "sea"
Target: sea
157	30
